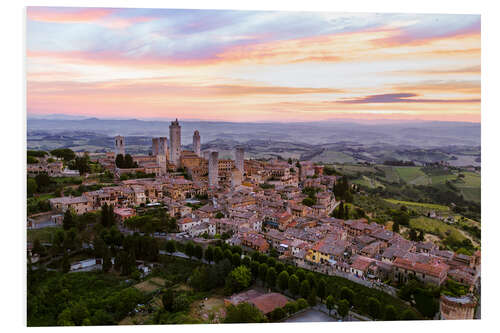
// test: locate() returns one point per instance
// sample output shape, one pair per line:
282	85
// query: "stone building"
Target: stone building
197	143
239	159
213	169
160	146
175	143
119	145
457	308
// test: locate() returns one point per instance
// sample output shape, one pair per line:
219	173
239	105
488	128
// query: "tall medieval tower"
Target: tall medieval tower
197	143
213	169
239	160
119	145
175	143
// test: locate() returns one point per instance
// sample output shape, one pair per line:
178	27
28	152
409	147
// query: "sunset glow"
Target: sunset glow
252	65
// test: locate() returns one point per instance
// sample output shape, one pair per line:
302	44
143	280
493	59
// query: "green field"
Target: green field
44	235
418	204
436	227
412	175
391	175
368	182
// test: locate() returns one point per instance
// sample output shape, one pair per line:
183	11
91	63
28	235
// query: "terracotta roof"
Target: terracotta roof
436	269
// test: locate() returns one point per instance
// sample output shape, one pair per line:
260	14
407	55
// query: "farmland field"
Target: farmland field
368	182
436	226
412	175
418	204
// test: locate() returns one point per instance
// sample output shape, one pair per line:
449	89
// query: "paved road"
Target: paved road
310	315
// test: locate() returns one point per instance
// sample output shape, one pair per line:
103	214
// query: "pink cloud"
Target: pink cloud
67	15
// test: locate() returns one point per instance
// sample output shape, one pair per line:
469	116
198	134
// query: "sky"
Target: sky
252	66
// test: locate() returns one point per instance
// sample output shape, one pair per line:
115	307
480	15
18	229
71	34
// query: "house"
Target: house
123	214
360	266
433	273
78	205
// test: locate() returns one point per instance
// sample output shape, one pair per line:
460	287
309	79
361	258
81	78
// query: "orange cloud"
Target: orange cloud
69	15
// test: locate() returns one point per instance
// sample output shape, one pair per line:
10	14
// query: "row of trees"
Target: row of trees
126	162
237	273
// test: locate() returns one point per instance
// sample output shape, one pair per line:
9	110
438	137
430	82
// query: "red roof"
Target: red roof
436	269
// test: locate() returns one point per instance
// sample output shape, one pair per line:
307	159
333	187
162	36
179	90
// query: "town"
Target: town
292	216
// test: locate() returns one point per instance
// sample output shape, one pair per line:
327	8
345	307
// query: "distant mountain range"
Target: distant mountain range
339	141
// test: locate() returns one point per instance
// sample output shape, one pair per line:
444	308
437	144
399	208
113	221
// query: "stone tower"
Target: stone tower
213	169
175	143
155	146
239	160
119	145
197	143
235	177
163	146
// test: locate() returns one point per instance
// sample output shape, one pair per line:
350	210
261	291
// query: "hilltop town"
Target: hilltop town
297	213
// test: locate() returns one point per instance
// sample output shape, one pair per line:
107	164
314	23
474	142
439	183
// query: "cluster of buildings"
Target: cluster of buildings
259	206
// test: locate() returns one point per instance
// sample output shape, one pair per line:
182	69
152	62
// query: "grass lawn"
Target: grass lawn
432	226
412	175
418	204
44	235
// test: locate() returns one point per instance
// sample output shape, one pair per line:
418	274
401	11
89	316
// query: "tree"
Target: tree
65	266
413	235
170	246
302	303
301	274
330	304
312	279
64	153
235	259
218	254
129	162
409	315
390	313
180	303
321	289
189	249
305	289
294	284
395	227
271	277
343	308
291	308
278	314
308	202
373	307
311	299
106	262
421	236
219	215
42	181
243	313
263	272
31	186
239	279
119	161
347	294
209	254
68	221
254	268
283	278
198	251
82	164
